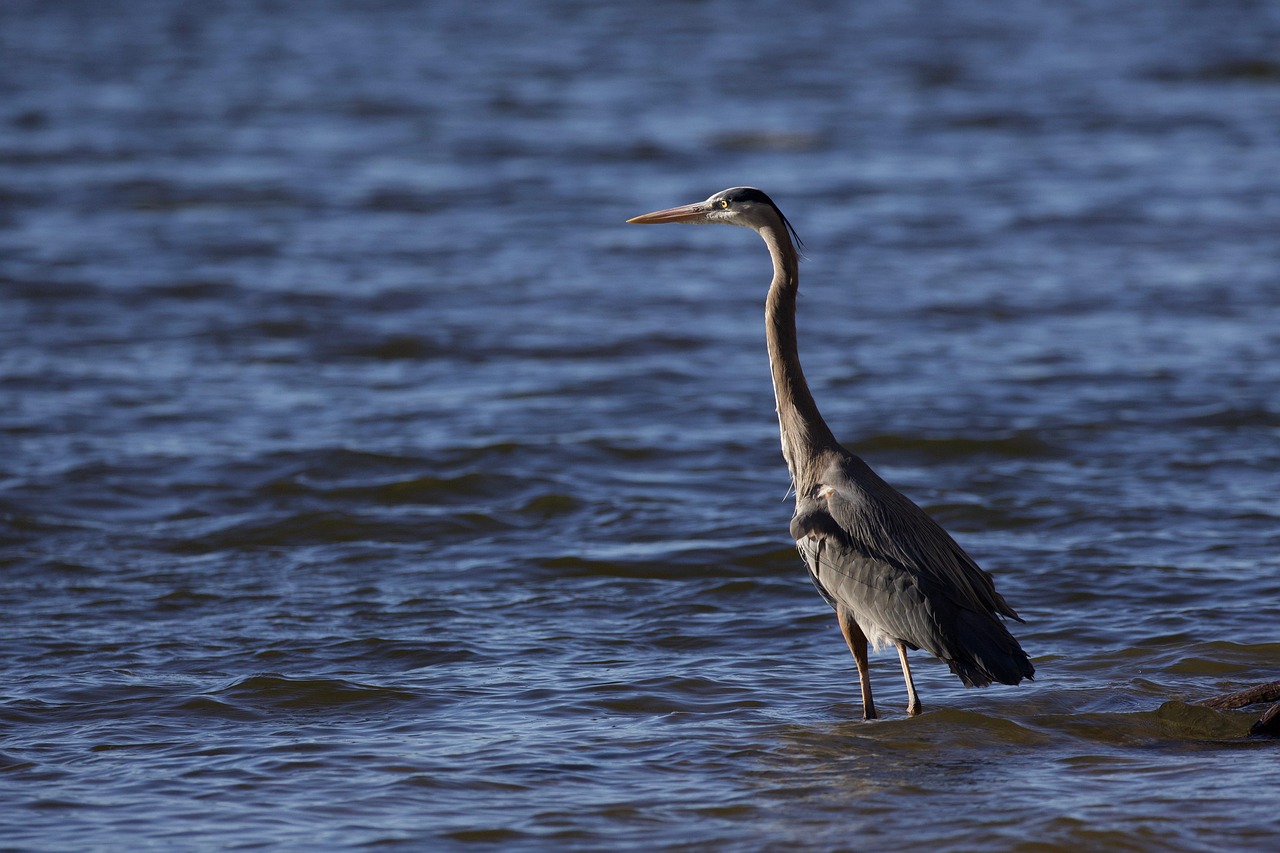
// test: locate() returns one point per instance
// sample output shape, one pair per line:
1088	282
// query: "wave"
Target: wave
273	691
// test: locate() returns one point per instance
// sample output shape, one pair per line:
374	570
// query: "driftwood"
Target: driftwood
1269	724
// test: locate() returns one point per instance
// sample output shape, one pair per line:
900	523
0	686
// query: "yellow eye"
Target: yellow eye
724	204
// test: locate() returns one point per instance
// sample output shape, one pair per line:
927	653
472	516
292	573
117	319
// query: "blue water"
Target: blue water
365	480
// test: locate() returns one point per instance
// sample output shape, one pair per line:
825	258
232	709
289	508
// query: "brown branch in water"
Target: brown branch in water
1269	723
1229	701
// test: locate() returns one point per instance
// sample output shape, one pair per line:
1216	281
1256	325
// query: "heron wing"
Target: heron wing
874	552
889	524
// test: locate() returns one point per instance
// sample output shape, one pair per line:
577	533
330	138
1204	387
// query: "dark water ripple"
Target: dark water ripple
365	481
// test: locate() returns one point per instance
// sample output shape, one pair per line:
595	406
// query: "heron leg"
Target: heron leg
858	646
913	699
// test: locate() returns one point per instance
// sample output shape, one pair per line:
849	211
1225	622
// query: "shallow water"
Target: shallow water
365	480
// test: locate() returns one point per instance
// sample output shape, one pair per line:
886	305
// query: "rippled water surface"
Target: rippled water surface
366	481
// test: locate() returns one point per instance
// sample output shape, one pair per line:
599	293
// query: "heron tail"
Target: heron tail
990	652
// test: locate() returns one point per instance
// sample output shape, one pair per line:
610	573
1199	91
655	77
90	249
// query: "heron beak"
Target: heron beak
685	213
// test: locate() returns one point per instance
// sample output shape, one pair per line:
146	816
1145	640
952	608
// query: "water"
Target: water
366	481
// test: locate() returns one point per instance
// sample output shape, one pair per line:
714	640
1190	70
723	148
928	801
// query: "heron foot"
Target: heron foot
915	709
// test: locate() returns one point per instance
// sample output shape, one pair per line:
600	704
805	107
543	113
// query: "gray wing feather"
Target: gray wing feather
871	550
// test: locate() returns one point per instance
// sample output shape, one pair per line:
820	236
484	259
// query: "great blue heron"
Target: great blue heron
891	573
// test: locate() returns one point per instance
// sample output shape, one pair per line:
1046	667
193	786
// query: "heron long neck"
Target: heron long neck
804	433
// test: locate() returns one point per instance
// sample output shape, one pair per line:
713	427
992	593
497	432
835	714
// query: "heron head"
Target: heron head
745	206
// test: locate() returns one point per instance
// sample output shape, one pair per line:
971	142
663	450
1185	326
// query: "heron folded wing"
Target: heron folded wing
887	601
891	526
890	602
906	579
